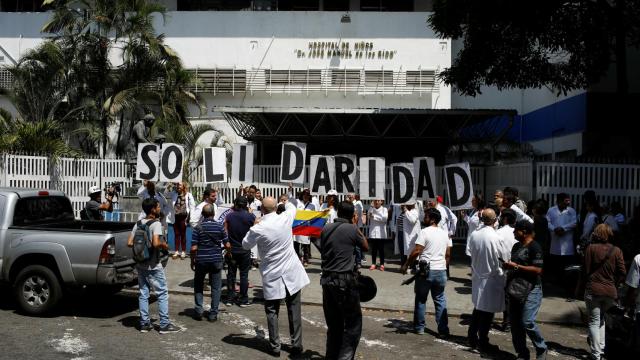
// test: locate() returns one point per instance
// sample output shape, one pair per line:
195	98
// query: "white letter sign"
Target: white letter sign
372	177
292	162
171	160
424	170
402	183
459	185
321	174
345	173
215	165
242	164
148	161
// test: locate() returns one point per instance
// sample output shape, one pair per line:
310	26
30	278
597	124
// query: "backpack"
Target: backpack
142	241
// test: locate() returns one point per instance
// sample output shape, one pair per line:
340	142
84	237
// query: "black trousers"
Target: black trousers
343	316
294	312
478	334
377	247
304	248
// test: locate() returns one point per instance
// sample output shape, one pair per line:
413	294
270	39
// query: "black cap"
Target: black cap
525	226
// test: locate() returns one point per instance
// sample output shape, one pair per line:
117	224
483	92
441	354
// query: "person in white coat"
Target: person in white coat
410	228
487	281
302	243
508	240
377	215
283	276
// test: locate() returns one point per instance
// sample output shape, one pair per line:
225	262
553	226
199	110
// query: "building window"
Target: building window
386	5
298	5
345	78
336	5
22	6
218	5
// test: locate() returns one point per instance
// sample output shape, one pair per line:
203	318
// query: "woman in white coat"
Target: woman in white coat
182	204
378	216
302	243
410	227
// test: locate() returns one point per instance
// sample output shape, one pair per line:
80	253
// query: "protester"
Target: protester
331	203
473	218
283	276
589	223
151	272
449	221
208	197
604	269
497	198
359	208
182	205
94	207
526	263
507	191
411	228
509	202
206	253
508	240
377	216
487	282
562	223
433	250
302	243
148	190
539	210
237	224
633	298
396	224
340	296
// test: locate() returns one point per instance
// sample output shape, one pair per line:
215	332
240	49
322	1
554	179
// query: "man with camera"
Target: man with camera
433	249
113	190
94	207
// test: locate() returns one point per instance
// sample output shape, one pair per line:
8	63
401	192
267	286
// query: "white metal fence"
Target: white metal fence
611	182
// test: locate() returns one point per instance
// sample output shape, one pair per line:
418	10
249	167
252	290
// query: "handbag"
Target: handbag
519	288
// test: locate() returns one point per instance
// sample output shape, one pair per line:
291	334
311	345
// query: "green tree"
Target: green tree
564	45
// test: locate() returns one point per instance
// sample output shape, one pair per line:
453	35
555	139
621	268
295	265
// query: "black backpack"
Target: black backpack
143	241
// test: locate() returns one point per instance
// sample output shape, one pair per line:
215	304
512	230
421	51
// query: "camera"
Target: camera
113	189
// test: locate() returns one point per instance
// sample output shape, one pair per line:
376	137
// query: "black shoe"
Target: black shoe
146	328
212	318
170	329
274	353
295	351
197	317
506	327
488	348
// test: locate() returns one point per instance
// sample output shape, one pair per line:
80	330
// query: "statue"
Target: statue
141	134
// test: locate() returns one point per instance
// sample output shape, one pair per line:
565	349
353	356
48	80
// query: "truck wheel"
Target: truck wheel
37	289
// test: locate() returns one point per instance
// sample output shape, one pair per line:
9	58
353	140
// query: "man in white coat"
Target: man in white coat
410	227
485	247
508	240
283	276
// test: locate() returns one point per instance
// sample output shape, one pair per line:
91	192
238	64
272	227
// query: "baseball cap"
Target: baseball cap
94	189
439	199
332	192
240	201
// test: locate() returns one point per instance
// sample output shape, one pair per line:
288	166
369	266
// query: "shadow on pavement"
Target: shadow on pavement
256	343
463	290
399	326
565	350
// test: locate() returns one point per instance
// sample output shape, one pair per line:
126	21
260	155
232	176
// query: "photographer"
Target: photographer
113	190
433	249
94	207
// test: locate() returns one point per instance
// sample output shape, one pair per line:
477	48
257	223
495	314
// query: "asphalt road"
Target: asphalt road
88	327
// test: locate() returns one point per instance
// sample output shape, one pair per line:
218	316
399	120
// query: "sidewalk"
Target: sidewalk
391	296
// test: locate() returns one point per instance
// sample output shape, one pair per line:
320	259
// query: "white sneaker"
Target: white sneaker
183	255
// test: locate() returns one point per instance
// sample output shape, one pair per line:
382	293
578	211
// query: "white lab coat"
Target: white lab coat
280	266
473	222
377	222
487	276
172	199
393	226
521	215
411	229
566	219
448	220
333	214
508	240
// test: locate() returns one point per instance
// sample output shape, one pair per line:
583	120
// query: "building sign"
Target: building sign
344	50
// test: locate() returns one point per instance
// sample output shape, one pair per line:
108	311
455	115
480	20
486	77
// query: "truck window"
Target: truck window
42	209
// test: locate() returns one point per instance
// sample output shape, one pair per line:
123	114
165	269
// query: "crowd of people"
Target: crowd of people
510	245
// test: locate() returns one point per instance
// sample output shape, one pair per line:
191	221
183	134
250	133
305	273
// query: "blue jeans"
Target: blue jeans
597	307
523	323
114	215
153	278
215	281
434	282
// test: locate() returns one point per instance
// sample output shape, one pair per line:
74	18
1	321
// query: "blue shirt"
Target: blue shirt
209	237
238	224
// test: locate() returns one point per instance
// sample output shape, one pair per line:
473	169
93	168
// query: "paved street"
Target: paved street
99	328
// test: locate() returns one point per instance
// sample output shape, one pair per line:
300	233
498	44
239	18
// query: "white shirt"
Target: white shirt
566	219
280	266
610	220
411	229
378	222
473	223
254	208
436	242
508	240
633	280
172	198
333	214
196	215
487	280
521	215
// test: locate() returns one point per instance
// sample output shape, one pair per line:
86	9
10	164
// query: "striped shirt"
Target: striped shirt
209	238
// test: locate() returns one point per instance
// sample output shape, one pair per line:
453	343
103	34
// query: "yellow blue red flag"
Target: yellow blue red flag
309	223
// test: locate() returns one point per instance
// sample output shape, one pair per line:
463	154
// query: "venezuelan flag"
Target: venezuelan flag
309	223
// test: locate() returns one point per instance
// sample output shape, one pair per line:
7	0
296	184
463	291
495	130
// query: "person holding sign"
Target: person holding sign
410	226
377	216
332	200
148	191
302	242
183	205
